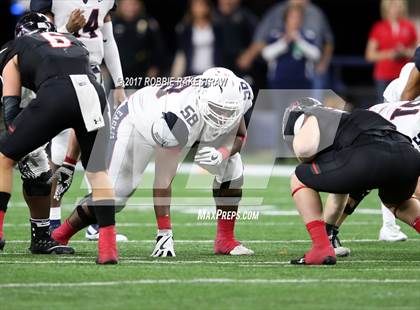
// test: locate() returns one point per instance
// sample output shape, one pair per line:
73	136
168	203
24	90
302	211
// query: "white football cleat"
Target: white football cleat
339	250
241	250
392	233
164	245
92	234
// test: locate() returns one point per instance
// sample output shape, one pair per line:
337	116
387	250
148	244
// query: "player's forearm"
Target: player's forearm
73	148
412	89
232	148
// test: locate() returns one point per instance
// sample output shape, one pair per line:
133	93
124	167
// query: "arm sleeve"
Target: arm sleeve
41	6
111	54
274	50
311	51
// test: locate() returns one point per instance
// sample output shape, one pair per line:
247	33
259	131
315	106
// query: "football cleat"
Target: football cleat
92	234
2	243
241	250
48	245
164	245
392	233
107	246
339	250
231	247
317	256
328	260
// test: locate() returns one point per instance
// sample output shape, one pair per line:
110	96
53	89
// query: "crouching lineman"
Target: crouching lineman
336	149
406	117
56	67
166	121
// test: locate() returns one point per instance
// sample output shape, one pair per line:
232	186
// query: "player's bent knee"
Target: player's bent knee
295	184
39	186
6	161
228	193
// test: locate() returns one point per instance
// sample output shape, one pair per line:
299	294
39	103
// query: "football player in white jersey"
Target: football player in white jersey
90	22
164	122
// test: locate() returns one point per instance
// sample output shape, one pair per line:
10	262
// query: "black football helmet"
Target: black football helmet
32	23
295	110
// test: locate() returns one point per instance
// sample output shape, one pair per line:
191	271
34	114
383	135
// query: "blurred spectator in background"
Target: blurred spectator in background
291	53
314	20
237	26
391	43
200	43
139	40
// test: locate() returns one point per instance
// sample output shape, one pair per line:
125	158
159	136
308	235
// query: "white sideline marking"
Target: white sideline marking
211	241
206	281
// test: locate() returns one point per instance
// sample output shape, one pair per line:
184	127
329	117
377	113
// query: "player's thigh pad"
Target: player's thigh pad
228	170
129	155
59	146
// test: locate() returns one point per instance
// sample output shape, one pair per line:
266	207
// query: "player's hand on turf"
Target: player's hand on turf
208	156
76	21
64	177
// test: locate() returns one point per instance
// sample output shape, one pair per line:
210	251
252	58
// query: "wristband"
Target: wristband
225	152
69	160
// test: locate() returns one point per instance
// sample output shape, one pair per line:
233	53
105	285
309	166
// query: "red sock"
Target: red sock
225	229
163	222
107	245
416	224
318	234
2	214
63	233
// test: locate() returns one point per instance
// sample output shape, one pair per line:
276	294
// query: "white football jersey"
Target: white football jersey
149	103
405	115
94	12
394	90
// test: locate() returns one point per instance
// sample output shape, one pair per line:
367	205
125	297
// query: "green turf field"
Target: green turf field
377	275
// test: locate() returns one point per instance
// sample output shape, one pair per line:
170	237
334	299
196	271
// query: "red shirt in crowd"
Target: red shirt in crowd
387	39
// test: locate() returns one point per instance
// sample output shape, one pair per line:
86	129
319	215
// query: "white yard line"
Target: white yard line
211	241
198	281
90	260
212	223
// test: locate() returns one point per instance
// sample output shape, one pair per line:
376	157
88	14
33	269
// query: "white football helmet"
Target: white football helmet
220	98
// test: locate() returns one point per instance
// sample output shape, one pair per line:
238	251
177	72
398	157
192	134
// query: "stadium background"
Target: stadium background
346	17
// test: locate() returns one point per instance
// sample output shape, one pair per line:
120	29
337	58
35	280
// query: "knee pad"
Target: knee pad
38	186
357	197
228	193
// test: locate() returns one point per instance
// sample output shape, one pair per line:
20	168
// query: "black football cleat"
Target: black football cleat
328	260
49	246
2	243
